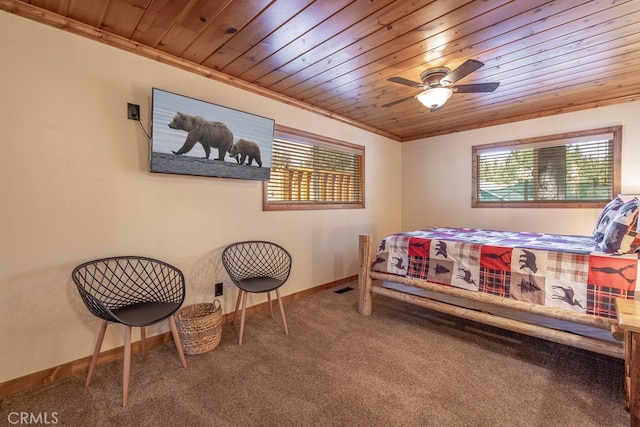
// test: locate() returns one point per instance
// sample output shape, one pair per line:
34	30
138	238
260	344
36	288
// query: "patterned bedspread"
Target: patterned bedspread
549	269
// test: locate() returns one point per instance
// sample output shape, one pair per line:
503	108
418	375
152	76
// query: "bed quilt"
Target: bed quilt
560	271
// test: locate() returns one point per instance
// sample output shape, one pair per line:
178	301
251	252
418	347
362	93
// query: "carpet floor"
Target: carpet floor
401	366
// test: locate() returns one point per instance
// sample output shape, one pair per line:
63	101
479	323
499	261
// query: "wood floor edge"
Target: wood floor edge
67	369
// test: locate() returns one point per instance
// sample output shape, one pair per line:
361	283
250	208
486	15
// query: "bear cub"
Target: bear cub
243	149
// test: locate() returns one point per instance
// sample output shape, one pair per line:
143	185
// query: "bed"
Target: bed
556	287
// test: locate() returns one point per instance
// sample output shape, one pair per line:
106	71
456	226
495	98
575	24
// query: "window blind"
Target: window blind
316	174
579	168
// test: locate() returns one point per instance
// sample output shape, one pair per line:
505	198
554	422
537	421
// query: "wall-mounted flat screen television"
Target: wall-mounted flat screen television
194	137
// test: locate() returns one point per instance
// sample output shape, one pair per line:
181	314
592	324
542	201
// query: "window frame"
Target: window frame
522	143
308	138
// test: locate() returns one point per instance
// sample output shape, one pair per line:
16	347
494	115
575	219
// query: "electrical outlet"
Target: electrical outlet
133	112
219	289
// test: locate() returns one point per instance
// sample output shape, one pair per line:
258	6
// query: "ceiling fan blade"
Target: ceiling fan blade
479	87
467	67
406	82
398	101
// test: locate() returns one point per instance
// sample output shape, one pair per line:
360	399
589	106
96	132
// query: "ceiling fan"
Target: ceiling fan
437	85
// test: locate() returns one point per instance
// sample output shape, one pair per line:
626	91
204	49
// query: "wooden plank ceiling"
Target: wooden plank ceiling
335	56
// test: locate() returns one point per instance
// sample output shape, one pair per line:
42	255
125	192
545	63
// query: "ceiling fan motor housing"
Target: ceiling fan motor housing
437	84
433	76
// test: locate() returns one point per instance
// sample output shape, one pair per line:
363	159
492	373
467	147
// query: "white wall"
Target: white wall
436	174
75	185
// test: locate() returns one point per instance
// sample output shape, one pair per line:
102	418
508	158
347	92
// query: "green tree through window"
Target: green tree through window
568	170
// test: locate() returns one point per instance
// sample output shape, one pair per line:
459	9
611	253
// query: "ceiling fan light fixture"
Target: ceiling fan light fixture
435	97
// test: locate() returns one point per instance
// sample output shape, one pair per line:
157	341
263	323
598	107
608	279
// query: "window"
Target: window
313	172
579	169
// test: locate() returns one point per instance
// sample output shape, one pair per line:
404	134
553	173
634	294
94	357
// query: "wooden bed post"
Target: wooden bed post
364	279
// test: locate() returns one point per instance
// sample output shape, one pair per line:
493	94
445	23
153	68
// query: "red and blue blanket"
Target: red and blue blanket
561	271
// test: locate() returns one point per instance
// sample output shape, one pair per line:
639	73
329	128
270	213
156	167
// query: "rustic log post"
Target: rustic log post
617	332
634	381
627	370
364	279
531	329
523	306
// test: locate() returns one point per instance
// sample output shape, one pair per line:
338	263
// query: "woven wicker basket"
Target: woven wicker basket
199	327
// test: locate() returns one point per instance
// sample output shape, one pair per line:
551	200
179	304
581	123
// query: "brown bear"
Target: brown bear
209	134
244	149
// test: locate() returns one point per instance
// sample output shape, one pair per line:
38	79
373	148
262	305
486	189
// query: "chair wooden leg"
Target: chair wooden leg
235	313
96	351
176	340
127	366
143	338
244	309
270	305
284	320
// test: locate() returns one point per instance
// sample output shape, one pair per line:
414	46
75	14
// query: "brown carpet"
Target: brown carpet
403	365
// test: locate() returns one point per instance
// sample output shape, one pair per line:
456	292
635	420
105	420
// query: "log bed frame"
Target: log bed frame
367	287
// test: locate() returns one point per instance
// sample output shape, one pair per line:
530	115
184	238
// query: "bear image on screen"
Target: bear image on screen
244	149
209	134
194	137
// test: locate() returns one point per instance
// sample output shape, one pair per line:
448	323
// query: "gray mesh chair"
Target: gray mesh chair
257	267
133	291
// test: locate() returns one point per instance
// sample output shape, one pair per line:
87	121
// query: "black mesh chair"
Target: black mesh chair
257	267
133	291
